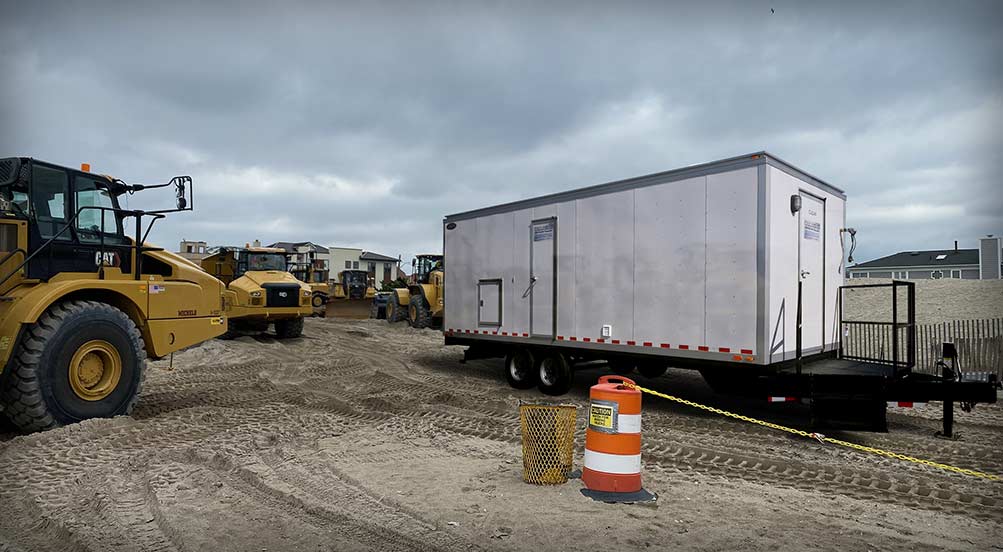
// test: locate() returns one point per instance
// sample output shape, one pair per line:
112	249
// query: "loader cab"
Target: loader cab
76	210
423	265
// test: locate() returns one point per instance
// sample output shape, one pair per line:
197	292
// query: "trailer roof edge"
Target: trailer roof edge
682	173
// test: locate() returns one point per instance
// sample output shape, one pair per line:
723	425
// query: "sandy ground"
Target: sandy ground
368	436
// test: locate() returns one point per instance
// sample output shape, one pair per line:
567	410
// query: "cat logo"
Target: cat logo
186	313
106	258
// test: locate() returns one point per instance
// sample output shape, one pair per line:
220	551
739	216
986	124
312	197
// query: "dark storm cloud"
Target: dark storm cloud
365	125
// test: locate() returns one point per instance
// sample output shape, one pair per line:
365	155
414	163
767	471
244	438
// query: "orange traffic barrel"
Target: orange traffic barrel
613	437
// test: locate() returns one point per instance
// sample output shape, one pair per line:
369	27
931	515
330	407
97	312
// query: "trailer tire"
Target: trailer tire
289	328
419	315
621	367
82	359
520	369
652	370
555	374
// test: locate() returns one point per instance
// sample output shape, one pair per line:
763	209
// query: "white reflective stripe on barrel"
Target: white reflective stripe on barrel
628	423
622	464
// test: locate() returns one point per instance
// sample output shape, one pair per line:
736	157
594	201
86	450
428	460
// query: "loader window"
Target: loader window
49	188
91	223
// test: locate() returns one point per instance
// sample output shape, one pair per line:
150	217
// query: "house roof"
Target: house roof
937	257
290	247
370	256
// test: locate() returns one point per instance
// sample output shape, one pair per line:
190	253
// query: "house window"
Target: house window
936	274
956	274
348	264
355	265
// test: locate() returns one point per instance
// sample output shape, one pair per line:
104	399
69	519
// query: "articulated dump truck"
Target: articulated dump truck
82	304
259	291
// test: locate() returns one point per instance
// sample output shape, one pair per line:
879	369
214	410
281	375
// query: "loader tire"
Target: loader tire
318	300
289	328
395	312
418	314
82	359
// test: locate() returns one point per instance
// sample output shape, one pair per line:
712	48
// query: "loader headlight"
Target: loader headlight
256	293
307	293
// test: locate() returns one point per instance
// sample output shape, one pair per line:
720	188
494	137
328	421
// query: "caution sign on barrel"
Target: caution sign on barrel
612	470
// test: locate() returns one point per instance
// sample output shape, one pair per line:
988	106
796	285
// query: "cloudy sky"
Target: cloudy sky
364	126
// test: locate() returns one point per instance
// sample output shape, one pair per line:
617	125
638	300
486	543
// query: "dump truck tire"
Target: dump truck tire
289	328
418	314
395	313
555	374
231	330
82	359
520	369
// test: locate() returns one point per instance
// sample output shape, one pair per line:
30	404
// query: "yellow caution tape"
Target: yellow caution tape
818	436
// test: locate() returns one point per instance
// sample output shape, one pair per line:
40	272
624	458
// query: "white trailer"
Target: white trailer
706	266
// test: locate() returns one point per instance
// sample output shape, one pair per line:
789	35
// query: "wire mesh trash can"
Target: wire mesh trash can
548	442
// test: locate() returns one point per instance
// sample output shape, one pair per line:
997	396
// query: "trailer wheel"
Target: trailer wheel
289	328
652	370
520	369
621	367
555	374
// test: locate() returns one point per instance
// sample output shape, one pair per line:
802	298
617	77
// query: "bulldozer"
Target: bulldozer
82	304
317	279
352	295
421	303
259	291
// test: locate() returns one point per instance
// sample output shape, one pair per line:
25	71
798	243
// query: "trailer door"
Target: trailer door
811	255
542	277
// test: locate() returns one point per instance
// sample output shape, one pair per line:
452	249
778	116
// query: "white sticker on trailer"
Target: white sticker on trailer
543	232
812	230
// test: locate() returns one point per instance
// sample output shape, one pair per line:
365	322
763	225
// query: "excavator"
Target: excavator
82	303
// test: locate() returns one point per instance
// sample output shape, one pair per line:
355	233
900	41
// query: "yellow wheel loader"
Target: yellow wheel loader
352	295
421	303
259	291
82	304
317	279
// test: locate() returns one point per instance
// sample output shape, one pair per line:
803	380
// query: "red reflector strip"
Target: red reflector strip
560	338
600	340
586	339
684	347
631	343
494	332
783	399
524	334
468	331
905	404
647	344
504	333
703	348
573	338
615	342
746	351
724	349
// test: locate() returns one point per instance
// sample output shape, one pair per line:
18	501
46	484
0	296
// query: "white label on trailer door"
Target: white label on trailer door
812	230
543	232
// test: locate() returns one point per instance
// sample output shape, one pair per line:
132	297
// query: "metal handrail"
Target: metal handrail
137	244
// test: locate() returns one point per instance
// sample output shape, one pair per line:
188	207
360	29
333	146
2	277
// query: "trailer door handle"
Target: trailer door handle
804	274
532	282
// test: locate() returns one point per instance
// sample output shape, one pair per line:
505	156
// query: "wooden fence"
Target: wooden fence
979	344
